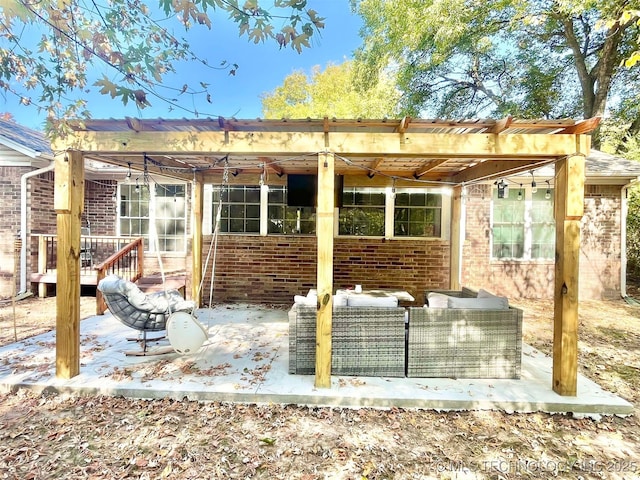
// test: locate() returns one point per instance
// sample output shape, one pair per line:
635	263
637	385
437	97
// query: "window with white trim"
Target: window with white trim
287	220
417	213
362	212
162	204
522	225
365	211
240	208
170	218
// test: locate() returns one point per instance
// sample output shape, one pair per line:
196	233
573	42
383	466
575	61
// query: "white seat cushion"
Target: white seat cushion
366	301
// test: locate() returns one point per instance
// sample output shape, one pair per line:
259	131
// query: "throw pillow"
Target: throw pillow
340	300
484	294
300	300
437	300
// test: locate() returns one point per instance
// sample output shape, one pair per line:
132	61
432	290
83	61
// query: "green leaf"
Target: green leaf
108	87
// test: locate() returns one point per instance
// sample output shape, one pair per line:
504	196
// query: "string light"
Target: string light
547	194
502	188
534	186
520	193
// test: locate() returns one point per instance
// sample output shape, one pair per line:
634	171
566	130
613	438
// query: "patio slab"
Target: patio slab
246	360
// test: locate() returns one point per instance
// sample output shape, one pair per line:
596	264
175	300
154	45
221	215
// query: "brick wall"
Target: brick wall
100	206
273	269
599	253
600	243
9	225
42	216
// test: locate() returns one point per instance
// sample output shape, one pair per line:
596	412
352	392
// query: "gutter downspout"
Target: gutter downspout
624	210
23	221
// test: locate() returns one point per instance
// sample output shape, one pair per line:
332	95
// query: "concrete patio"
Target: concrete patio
246	360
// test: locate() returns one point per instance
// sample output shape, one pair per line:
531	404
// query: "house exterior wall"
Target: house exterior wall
599	253
100	212
273	269
40	219
9	225
100	207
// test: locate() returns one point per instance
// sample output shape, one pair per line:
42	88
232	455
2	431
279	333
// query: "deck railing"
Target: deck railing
127	263
99	256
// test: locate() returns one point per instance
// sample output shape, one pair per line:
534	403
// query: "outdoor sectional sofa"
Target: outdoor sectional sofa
472	342
434	342
366	340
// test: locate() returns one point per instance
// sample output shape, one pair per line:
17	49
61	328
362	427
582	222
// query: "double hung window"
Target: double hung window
160	205
523	225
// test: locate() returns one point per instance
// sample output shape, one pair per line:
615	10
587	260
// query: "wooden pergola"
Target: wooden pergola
437	152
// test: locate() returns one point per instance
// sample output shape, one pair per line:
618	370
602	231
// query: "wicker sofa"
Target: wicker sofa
366	340
464	342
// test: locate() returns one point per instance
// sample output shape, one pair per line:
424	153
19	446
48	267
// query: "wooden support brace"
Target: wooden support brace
69	195
456	240
324	228
196	242
569	207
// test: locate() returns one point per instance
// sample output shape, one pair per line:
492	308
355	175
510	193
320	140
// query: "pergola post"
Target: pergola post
455	254
197	203
569	209
69	205
324	234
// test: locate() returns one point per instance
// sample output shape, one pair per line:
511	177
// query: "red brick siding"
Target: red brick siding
42	216
599	253
600	243
411	265
100	206
9	224
273	269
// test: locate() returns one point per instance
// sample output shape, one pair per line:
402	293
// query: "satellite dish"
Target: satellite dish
186	334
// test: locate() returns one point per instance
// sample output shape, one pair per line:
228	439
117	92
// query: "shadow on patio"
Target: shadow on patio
246	360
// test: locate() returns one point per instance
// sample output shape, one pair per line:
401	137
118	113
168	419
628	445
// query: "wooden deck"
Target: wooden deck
149	283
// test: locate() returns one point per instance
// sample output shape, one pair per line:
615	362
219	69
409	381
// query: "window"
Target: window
170	217
165	205
240	208
362	212
288	220
523	229
135	203
543	229
417	214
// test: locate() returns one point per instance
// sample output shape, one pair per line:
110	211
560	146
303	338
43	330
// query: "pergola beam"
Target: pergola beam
490	169
413	145
426	168
502	124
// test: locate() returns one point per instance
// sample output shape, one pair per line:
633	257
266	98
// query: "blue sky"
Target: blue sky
262	68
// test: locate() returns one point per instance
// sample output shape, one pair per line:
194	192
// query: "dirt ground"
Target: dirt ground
44	437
